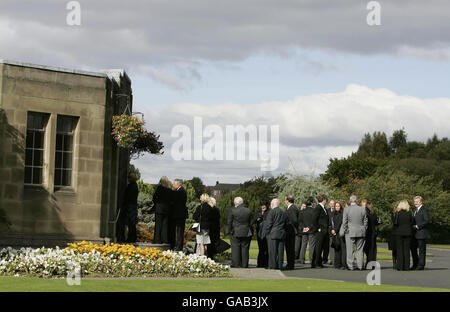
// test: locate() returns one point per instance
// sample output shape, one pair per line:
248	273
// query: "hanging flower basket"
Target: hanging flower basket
129	132
126	129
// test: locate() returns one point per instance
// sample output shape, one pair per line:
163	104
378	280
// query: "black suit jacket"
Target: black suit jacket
179	204
162	200
320	219
403	222
336	221
306	220
260	220
422	219
292	219
275	226
239	221
203	214
214	229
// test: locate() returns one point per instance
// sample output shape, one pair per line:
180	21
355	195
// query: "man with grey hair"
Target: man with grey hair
239	222
276	234
355	226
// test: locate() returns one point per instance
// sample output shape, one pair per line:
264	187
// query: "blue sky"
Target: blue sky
274	78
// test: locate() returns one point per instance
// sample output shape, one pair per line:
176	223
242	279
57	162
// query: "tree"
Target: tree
198	185
365	147
398	140
380	146
133	169
301	187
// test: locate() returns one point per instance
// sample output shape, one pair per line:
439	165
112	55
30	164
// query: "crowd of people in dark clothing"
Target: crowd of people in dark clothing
339	231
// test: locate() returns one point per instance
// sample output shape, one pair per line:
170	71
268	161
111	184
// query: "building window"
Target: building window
34	149
65	129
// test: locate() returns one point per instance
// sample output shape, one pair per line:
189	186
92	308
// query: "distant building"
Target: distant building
61	175
219	189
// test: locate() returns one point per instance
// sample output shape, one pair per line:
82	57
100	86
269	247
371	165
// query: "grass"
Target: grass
439	246
199	285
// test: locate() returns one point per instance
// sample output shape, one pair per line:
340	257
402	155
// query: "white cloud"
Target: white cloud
312	129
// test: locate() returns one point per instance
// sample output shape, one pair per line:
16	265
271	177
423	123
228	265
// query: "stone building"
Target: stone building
61	175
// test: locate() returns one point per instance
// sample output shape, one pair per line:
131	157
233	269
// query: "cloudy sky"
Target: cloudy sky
315	68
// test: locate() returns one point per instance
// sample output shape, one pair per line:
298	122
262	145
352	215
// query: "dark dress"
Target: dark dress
370	247
131	210
162	200
214	232
403	222
338	243
263	253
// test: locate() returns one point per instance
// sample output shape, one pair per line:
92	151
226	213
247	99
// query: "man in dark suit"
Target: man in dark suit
178	216
291	231
420	234
276	234
321	228
239	223
306	227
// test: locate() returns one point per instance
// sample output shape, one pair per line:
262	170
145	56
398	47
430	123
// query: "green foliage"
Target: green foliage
132	168
301	187
198	185
398	140
342	171
262	188
145	202
190	190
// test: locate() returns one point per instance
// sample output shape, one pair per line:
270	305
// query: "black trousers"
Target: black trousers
276	253
370	249
240	251
290	248
263	253
298	246
319	238
403	246
161	229
340	254
325	248
176	233
418	258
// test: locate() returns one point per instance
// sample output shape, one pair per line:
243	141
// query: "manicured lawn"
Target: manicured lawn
439	246
204	285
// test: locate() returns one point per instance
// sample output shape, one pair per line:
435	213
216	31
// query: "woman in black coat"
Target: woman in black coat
259	219
162	199
370	246
338	242
203	215
403	222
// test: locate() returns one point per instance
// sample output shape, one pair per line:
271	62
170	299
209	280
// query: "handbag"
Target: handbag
335	242
195	227
222	246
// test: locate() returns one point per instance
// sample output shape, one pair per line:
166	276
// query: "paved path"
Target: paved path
436	273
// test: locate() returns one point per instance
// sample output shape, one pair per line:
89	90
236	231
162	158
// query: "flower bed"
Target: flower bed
113	260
